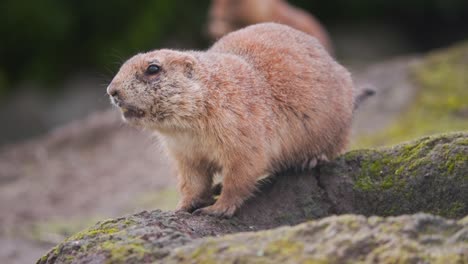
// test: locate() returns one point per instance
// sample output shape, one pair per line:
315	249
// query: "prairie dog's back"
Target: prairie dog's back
281	54
312	94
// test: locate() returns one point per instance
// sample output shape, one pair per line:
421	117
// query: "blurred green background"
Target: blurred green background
46	41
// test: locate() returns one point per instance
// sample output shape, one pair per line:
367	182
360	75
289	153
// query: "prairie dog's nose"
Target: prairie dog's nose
112	90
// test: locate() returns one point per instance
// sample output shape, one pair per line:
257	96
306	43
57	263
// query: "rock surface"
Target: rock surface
419	238
426	175
178	238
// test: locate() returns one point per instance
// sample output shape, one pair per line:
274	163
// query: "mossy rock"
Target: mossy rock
419	238
440	104
416	238
426	175
139	238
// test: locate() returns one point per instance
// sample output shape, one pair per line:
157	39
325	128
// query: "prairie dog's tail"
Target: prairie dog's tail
362	95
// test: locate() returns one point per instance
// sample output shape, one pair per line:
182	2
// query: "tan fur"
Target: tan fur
261	100
228	15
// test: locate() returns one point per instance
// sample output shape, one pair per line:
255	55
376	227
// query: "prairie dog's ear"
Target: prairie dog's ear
188	64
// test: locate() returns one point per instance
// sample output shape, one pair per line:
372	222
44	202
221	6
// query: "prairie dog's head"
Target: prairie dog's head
157	89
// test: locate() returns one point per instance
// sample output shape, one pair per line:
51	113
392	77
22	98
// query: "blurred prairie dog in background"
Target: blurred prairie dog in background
229	15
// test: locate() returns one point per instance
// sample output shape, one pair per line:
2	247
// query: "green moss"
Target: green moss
103	228
69	259
43	259
364	183
389	168
92	233
463	221
450	258
440	102
453	210
396	180
353	155
458	159
123	252
55	231
390	211
205	254
56	250
387	183
315	261
374	173
262	247
129	222
111	238
450	167
284	247
463	141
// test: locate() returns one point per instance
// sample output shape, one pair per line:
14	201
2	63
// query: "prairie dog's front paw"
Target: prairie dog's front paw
217	210
187	205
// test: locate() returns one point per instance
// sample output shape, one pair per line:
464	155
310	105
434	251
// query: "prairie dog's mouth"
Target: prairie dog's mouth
132	112
129	111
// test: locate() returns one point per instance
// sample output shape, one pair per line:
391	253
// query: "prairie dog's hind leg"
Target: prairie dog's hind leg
311	163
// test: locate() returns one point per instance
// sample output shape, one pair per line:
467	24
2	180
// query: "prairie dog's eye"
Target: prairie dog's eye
153	69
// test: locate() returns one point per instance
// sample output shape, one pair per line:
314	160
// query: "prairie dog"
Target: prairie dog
228	15
262	99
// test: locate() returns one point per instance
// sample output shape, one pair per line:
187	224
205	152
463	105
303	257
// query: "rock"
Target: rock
427	175
175	238
419	238
138	238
